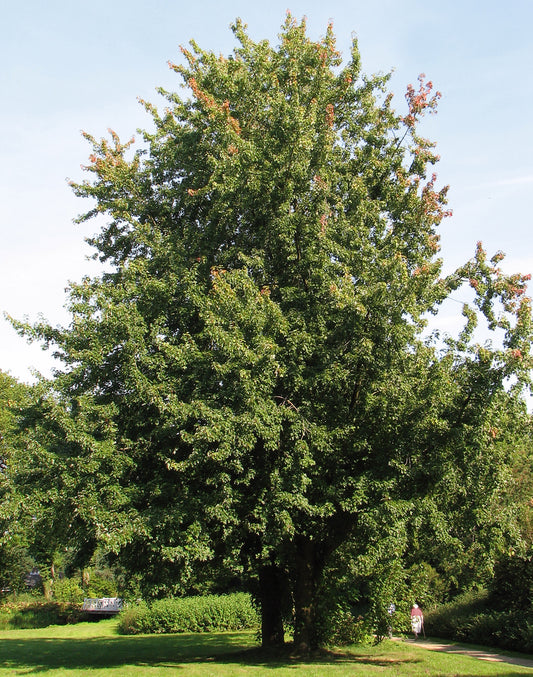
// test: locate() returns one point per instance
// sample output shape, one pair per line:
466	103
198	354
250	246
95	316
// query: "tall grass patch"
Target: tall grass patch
209	613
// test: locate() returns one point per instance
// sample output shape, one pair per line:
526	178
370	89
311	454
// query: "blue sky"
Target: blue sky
71	66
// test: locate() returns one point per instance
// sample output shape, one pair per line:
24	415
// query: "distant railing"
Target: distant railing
102	605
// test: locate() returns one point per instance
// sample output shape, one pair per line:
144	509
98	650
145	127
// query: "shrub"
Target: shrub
447	618
469	618
508	630
341	627
134	620
190	614
39	614
67	590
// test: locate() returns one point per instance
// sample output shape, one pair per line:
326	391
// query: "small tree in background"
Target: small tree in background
249	385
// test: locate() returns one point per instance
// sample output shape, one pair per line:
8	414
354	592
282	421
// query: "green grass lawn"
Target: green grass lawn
95	649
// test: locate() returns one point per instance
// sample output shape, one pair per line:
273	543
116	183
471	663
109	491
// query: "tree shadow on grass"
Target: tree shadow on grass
285	657
34	655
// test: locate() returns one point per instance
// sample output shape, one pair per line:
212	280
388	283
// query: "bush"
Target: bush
39	614
190	614
67	590
508	630
447	618
134	620
341	628
470	619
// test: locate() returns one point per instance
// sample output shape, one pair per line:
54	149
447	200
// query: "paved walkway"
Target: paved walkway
435	645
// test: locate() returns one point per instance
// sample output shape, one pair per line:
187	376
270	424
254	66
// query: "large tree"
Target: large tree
248	384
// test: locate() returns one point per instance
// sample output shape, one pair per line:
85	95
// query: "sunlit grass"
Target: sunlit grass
96	649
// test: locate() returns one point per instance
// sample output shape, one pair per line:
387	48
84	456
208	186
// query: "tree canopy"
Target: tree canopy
250	384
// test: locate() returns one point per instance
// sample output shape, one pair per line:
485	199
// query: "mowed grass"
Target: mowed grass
95	649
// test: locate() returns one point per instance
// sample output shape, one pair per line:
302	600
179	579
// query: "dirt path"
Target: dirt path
435	645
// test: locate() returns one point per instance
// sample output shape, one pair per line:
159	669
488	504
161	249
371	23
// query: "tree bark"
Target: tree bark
271	595
307	572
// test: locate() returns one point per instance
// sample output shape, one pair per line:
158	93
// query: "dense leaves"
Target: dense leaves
472	618
207	613
15	559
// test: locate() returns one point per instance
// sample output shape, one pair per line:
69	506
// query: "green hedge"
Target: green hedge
471	619
509	630
190	614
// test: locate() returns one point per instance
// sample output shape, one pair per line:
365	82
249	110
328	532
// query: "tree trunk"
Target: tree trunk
307	571
271	594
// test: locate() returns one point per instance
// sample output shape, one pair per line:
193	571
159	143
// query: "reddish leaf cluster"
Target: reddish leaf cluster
330	115
433	201
212	106
420	101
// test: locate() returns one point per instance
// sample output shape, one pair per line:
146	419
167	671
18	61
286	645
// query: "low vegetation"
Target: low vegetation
476	617
31	612
472	618
208	613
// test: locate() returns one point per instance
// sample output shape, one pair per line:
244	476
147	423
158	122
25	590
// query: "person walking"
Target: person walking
417	620
391	611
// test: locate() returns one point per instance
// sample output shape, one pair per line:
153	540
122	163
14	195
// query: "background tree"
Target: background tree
15	556
248	385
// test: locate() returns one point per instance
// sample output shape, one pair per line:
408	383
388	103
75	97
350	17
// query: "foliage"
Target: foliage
508	630
472	618
190	614
67	590
365	585
340	627
101	586
15	558
512	585
13	397
15	562
522	465
426	586
443	621
477	530
35	613
248	387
